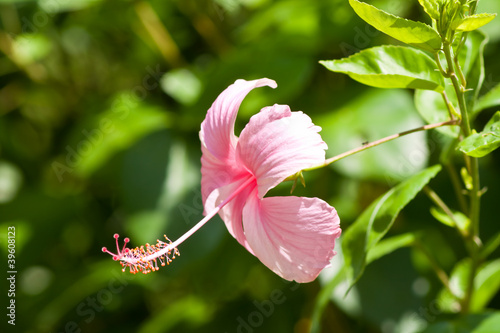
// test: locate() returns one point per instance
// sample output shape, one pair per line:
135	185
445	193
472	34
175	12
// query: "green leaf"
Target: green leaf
472	61
489	325
410	32
486	285
431	7
490	246
483	143
390	67
491	124
473	323
466	178
377	219
432	108
111	131
474	22
491	98
449	299
459	278
431	105
388	163
390	245
459	220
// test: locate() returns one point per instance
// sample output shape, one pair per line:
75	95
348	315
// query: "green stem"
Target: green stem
459	89
455	181
380	141
440	273
451	110
473	168
441	204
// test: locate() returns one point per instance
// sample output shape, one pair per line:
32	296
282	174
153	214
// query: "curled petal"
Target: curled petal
277	143
217	130
293	236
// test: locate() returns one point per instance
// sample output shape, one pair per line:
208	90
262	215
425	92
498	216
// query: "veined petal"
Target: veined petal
276	143
293	236
216	173
217	130
232	212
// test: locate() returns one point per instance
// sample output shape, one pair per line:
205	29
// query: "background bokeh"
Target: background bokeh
101	104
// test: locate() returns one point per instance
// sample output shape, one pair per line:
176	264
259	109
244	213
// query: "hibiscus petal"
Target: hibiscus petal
278	143
217	130
231	213
293	236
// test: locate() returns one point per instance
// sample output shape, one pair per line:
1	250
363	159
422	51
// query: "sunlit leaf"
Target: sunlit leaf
459	220
483	143
486	285
491	245
459	278
389	245
474	22
378	218
476	323
431	105
390	67
410	32
491	98
388	163
489	325
472	59
431	7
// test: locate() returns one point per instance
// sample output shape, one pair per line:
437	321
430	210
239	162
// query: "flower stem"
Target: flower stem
380	141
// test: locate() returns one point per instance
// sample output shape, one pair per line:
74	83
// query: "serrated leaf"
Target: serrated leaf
377	219
390	67
410	32
486	285
483	143
431	7
474	22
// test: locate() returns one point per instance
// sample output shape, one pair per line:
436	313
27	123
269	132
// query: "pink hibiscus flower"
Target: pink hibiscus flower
293	236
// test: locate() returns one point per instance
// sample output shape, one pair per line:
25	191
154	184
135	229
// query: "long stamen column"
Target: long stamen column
145	258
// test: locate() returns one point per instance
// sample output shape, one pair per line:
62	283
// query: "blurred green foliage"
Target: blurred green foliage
100	105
